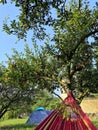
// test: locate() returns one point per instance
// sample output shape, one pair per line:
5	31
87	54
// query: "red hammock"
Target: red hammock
68	116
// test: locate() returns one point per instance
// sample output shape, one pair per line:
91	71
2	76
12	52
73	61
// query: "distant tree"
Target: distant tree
16	86
46	100
23	80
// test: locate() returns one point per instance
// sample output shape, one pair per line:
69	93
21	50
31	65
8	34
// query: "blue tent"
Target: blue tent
38	116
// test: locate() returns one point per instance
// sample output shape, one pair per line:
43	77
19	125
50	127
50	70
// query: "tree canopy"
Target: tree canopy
34	15
68	60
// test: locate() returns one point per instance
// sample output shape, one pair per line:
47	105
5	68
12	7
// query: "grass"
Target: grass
96	95
95	123
19	124
15	124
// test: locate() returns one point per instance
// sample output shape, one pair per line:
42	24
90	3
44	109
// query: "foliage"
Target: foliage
23	82
66	60
16	85
73	50
34	15
46	100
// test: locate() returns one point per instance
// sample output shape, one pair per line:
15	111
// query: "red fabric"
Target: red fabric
45	122
67	125
73	125
86	119
81	125
55	120
70	100
62	127
58	124
54	123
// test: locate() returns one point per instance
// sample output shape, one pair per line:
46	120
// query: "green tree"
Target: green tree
73	49
23	80
16	84
67	62
46	100
34	15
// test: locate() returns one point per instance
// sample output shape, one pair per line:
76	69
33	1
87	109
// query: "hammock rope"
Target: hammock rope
67	116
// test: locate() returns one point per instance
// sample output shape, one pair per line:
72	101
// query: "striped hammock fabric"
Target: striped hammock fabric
68	116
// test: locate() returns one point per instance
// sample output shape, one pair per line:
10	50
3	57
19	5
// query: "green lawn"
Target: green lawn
96	95
95	123
19	124
15	124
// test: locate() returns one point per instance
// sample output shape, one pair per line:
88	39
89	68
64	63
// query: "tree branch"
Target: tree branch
82	39
57	96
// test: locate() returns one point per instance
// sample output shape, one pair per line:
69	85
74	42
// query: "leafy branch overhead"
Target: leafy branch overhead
68	59
34	15
73	24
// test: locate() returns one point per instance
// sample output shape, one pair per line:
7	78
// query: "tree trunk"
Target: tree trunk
4	109
3	112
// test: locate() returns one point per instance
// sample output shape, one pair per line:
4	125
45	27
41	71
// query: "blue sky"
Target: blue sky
7	42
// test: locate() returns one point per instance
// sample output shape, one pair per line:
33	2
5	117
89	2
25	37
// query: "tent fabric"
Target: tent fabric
68	116
39	108
38	116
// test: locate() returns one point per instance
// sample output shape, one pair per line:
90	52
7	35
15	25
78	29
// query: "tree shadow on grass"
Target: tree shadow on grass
18	127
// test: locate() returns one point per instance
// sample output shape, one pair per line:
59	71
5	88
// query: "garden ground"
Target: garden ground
15	124
19	124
